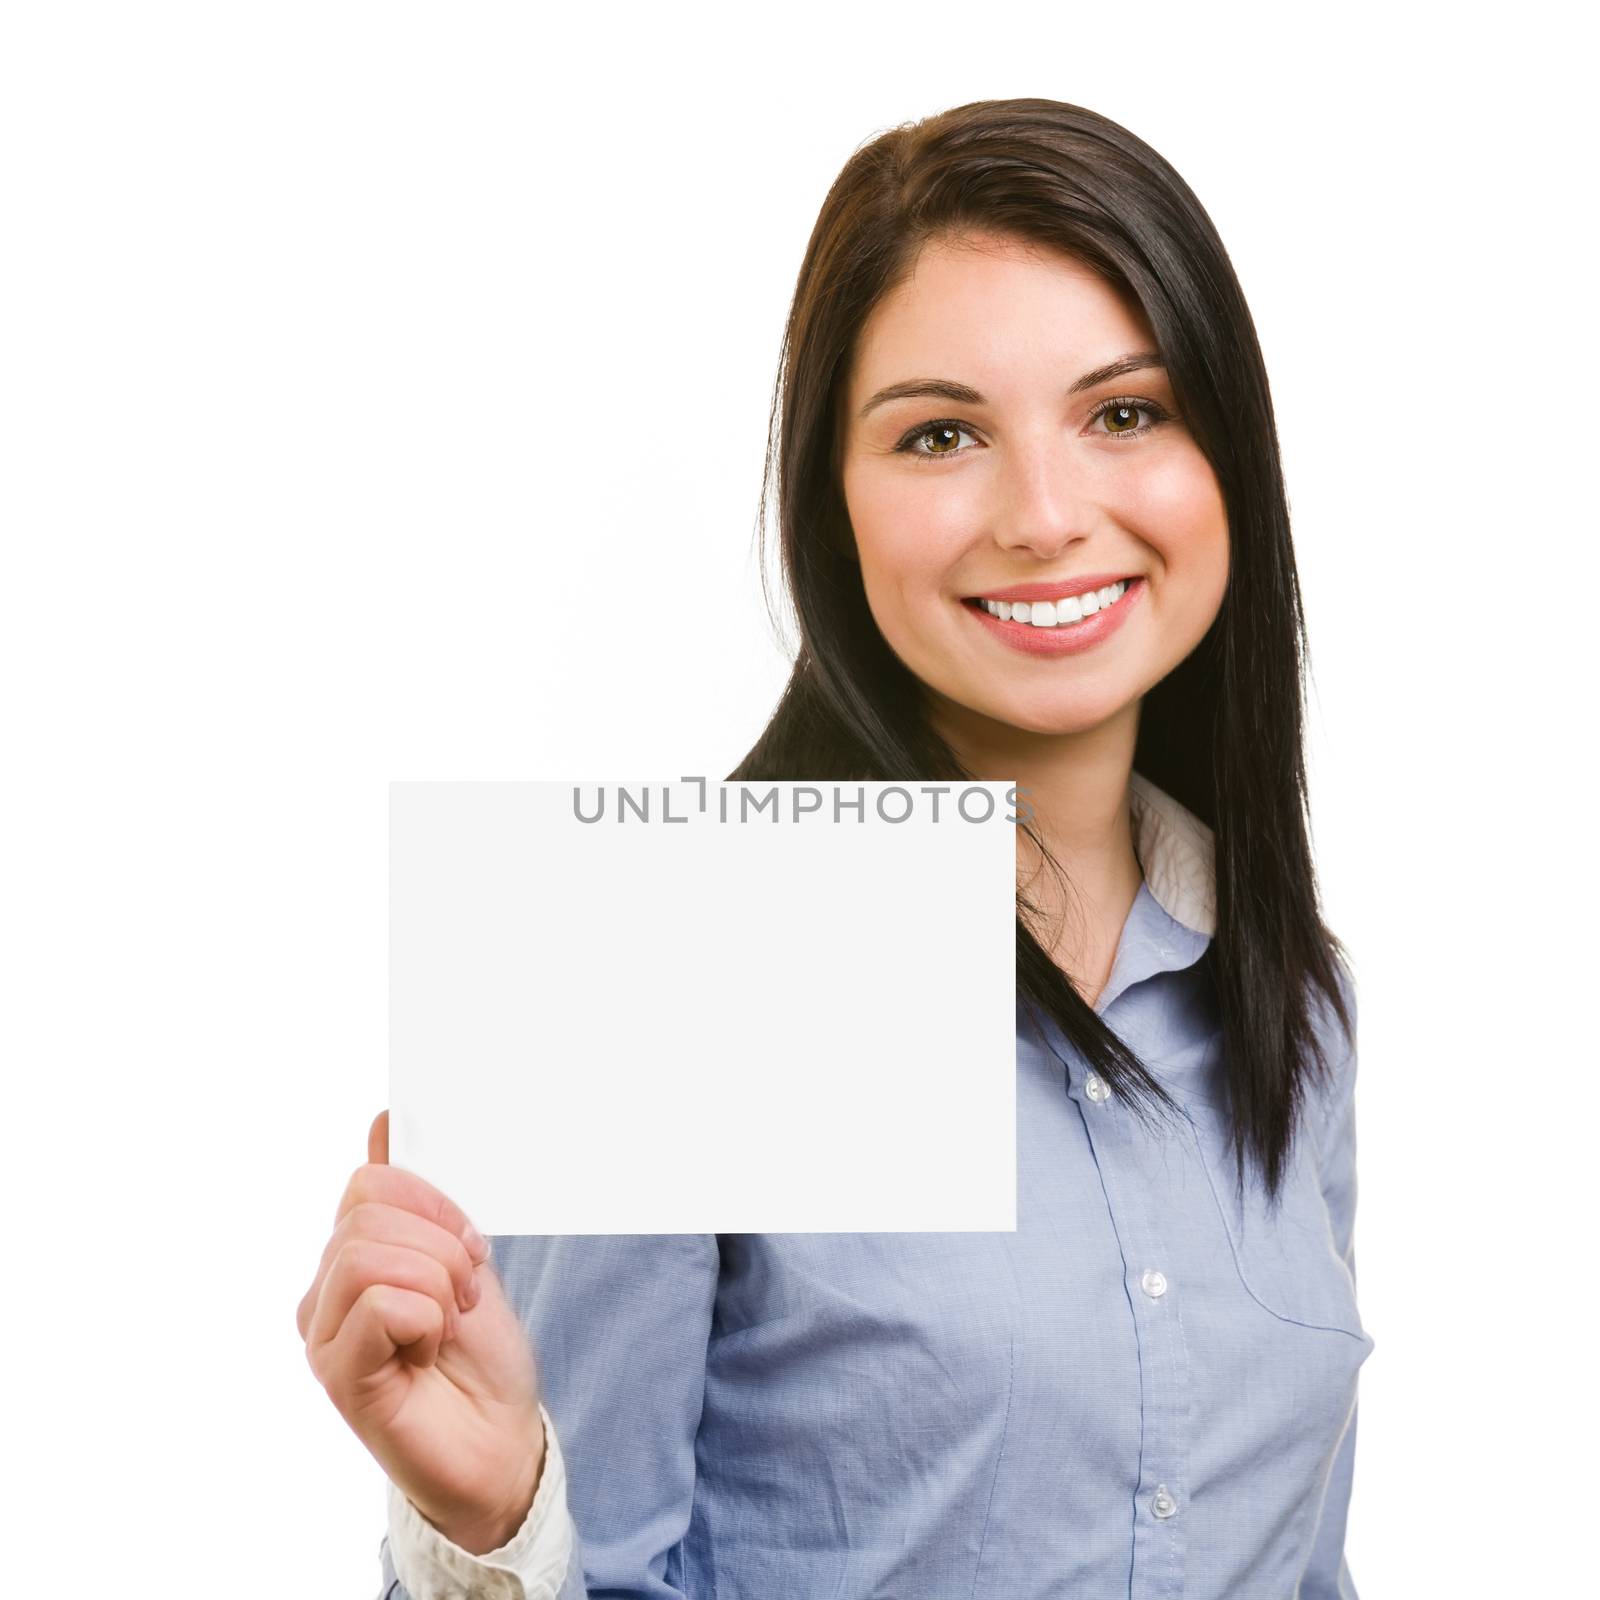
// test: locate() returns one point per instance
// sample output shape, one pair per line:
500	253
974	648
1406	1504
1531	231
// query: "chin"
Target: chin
1060	726
1079	716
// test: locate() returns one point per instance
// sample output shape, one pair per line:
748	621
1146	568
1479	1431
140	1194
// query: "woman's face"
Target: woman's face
997	443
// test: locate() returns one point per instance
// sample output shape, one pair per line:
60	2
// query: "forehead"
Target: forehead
992	311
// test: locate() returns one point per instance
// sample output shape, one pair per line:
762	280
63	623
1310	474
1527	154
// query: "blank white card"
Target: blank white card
699	1007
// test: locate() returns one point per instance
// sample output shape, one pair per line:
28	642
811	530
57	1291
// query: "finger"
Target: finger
394	1186
359	1265
390	1225
378	1139
385	1321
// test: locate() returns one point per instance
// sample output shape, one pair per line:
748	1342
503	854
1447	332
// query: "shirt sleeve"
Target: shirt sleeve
1327	1575
541	1561
619	1325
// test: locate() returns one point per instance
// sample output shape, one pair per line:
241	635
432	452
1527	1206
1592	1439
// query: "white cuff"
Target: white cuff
529	1566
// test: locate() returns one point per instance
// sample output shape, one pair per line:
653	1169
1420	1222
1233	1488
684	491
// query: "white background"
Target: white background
385	390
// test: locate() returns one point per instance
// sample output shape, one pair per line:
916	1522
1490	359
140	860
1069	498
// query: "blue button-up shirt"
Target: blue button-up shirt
1148	1389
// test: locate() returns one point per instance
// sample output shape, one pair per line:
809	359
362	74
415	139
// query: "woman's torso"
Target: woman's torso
1142	1391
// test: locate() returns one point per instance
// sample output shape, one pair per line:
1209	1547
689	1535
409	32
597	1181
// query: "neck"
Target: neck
1077	786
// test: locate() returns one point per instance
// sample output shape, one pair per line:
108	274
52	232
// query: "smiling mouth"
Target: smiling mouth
1066	612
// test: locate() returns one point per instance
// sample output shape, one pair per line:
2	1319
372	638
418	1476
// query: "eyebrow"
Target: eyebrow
964	394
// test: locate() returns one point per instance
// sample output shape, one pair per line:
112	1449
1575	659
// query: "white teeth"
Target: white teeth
1057	613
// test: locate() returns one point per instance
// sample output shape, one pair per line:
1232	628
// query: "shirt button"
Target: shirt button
1154	1283
1095	1088
1163	1505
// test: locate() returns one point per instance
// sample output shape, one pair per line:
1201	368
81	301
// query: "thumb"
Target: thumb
378	1139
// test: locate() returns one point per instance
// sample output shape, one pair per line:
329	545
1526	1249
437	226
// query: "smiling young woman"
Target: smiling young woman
1034	529
1082	510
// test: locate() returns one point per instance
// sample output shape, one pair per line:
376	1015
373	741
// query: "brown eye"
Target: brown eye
932	441
1131	419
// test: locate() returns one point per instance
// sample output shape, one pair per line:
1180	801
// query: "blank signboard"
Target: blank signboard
695	1007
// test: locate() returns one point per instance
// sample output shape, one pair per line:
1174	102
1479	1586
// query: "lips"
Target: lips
1058	639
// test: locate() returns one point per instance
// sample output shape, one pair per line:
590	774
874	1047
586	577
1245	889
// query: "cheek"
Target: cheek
1177	508
907	534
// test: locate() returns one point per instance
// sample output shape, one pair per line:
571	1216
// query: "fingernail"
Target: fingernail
477	1245
474	1292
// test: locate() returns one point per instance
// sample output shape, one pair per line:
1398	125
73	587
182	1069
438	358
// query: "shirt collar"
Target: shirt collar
1173	917
1177	853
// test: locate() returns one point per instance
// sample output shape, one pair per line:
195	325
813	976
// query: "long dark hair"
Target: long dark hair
1223	732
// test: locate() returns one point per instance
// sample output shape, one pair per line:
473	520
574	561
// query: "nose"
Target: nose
1045	506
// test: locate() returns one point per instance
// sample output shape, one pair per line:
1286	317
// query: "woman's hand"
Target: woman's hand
408	1330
